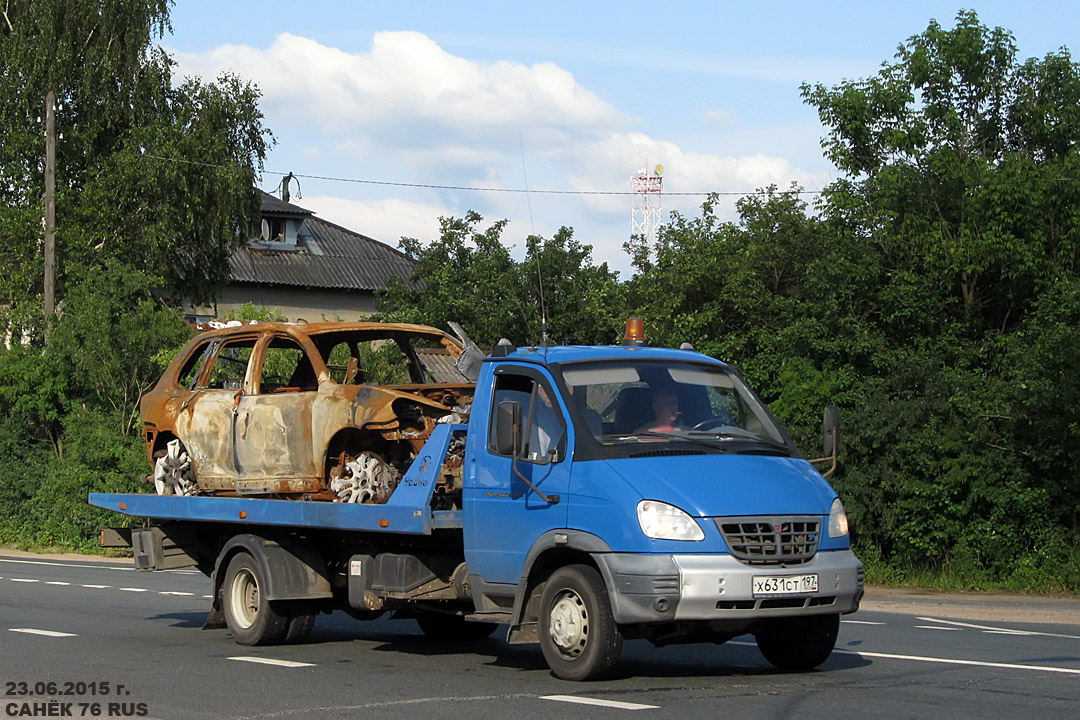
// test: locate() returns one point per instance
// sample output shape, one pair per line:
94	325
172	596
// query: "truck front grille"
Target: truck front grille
782	540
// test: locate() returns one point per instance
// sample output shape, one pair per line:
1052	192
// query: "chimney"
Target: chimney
285	187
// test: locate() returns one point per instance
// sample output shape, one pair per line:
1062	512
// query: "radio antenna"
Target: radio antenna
532	227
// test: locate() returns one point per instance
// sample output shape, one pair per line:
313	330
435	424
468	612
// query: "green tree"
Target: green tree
962	162
160	175
155	187
468	276
961	166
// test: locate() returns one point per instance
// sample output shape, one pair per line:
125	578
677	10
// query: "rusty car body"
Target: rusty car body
331	411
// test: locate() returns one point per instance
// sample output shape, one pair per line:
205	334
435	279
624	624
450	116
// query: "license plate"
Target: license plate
765	585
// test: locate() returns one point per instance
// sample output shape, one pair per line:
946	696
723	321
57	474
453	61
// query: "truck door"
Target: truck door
504	516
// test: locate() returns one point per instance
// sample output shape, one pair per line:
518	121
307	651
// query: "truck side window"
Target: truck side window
543	425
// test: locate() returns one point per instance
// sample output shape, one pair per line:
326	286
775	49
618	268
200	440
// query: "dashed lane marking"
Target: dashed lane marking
861	622
618	705
937	627
271	661
46	633
61	583
67	565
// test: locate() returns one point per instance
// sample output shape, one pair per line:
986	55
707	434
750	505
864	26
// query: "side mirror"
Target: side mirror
830	432
507	428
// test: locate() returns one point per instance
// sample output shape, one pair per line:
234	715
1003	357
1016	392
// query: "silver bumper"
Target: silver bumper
665	588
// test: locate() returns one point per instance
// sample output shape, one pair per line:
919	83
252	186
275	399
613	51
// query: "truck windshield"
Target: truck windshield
648	401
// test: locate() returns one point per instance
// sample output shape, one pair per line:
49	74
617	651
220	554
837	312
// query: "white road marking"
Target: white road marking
97	587
1005	631
57	582
946	661
953	661
23	580
174	592
601	703
133	589
271	661
46	633
57	564
208	597
937	627
861	622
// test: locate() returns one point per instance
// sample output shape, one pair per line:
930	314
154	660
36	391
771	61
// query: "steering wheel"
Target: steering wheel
709	423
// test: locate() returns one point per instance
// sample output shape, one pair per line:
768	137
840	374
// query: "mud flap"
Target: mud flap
215	619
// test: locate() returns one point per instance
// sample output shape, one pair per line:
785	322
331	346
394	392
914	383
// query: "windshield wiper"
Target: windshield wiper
719	441
716	444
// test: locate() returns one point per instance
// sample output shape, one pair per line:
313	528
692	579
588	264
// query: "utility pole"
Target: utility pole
50	209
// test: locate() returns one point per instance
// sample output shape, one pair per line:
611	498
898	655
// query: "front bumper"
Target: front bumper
666	588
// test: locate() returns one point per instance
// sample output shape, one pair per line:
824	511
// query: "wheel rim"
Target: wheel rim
244	598
568	623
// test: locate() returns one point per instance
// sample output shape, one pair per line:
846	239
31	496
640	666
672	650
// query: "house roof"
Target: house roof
326	256
275	206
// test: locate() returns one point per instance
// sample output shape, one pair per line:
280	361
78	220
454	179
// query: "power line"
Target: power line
535	191
525	191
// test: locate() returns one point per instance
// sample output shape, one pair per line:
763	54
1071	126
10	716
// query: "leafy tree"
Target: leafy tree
959	157
155	185
468	276
961	180
156	174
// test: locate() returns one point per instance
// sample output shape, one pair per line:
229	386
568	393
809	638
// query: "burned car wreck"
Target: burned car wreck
331	411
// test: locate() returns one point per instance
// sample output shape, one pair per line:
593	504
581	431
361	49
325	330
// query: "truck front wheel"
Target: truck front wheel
800	643
578	634
252	618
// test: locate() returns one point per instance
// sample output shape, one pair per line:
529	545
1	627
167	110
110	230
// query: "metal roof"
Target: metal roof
326	256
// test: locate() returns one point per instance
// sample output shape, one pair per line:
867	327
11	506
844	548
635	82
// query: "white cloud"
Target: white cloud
406	111
684	171
384	220
405	77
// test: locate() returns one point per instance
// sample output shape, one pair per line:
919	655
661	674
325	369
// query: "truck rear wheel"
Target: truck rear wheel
452	627
578	634
800	643
251	617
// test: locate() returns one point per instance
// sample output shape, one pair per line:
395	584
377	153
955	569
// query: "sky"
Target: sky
486	99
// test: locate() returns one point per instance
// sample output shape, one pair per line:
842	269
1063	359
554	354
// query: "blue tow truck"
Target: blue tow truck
606	493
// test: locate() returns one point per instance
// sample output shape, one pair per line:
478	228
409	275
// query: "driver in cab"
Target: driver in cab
666	415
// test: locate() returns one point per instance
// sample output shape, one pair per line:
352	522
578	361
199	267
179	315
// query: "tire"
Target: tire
452	627
301	621
578	634
252	618
799	643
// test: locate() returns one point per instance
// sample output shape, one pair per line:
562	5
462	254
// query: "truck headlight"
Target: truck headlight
837	519
666	522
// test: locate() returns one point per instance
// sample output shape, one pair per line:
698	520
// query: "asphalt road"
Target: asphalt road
86	628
